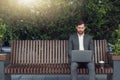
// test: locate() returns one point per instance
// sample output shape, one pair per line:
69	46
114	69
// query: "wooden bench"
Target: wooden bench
50	57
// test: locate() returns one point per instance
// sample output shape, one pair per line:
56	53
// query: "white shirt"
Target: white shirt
81	45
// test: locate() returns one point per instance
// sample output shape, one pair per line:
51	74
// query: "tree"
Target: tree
49	19
56	19
102	17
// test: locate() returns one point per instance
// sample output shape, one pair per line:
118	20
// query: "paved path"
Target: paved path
54	77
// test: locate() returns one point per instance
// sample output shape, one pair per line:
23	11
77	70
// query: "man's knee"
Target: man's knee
91	65
74	65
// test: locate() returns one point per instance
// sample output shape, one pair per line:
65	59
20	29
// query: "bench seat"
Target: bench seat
52	69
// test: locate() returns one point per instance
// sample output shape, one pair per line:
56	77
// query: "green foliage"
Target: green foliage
49	19
102	17
116	45
56	19
2	29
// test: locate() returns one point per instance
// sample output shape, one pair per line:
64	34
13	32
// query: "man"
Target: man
81	41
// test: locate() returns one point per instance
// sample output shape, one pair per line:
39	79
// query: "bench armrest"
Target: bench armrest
4	56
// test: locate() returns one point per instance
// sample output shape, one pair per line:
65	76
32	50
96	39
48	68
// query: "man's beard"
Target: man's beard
80	32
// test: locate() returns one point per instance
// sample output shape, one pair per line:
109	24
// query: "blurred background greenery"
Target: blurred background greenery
56	19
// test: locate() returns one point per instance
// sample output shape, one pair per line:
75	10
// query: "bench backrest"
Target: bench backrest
100	49
49	51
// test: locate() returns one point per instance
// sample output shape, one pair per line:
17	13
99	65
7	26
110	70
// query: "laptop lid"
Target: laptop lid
81	55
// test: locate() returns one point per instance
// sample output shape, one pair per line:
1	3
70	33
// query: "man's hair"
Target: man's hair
80	22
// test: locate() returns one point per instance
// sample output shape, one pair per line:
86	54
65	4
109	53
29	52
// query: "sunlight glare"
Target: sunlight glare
25	2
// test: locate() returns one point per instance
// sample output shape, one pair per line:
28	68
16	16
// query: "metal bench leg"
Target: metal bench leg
109	76
2	76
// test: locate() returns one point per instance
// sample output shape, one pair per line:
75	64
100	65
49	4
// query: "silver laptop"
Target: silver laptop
82	55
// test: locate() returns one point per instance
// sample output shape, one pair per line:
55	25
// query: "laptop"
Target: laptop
81	55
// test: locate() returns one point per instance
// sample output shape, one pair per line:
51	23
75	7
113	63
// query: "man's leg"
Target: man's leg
74	66
91	68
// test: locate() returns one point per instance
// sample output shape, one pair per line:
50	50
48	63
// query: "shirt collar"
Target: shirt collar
81	35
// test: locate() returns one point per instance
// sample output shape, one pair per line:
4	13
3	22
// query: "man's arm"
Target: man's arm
69	46
91	45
